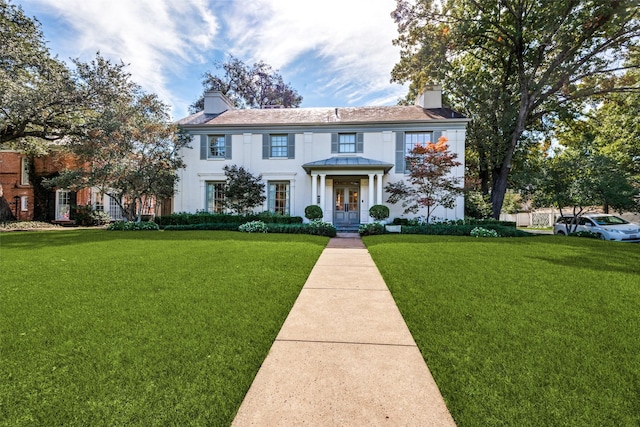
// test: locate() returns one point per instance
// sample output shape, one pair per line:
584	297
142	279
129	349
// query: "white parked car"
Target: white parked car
608	227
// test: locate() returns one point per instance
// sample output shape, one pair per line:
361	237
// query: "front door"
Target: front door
347	206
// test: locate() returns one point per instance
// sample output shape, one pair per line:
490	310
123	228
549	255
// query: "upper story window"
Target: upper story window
405	141
215	147
411	139
24	175
278	145
347	142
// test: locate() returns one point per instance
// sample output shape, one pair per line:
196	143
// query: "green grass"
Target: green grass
140	328
541	331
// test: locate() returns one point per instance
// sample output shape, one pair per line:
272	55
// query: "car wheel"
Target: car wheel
560	233
601	236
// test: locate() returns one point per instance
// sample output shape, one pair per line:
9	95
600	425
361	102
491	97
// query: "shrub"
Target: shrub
313	212
483	232
133	226
86	215
184	218
477	205
206	226
320	228
253	227
371	229
379	212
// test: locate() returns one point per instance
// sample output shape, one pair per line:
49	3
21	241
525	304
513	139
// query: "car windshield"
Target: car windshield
609	220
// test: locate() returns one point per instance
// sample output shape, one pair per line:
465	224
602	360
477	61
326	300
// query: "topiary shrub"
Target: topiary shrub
371	229
379	212
313	212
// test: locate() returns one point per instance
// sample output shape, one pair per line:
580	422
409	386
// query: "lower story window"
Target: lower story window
279	198
215	197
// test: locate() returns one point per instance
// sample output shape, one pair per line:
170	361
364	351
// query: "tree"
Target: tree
242	190
432	184
126	147
247	86
579	179
512	64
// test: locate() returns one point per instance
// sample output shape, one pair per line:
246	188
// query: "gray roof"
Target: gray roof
320	116
354	162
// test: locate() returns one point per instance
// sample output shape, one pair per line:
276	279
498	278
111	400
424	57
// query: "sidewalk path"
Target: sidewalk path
344	356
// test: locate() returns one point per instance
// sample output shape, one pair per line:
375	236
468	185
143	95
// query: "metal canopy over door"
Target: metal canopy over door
347	206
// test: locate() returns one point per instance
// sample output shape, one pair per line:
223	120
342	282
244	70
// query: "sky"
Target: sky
335	53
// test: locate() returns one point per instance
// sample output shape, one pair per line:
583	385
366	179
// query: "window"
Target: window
416	138
24	166
215	197
405	141
279	145
347	143
278	199
217	146
63	205
24	203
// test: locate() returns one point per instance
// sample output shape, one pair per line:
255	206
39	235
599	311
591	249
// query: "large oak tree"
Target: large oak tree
512	65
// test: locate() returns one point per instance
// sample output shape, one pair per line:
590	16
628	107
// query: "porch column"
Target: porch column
314	189
379	188
323	190
371	184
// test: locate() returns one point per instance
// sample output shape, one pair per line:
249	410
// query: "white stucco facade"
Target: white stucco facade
313	168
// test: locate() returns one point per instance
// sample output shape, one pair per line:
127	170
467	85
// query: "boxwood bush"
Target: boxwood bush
184	218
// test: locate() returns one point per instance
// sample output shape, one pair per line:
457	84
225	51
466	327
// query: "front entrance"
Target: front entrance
347	206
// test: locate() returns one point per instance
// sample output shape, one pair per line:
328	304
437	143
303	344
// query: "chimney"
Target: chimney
215	102
430	97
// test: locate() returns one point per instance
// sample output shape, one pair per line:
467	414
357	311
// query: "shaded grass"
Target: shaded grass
144	328
541	331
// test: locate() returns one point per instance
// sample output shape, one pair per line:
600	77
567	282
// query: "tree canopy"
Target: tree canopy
242	190
255	86
513	65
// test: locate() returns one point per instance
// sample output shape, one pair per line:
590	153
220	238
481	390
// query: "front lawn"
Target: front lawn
541	331
140	328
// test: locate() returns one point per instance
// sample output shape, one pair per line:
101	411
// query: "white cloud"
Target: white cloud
156	37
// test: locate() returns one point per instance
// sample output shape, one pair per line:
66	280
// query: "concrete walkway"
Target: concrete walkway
344	356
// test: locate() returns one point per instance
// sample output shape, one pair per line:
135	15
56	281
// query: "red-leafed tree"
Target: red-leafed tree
432	184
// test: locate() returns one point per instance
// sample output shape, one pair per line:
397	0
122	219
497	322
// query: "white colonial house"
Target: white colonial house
337	158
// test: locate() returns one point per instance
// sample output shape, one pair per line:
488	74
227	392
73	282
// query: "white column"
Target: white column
323	191
314	189
371	184
379	188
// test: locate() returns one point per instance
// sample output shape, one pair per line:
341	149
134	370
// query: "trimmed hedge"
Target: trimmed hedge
184	218
461	230
318	229
467	221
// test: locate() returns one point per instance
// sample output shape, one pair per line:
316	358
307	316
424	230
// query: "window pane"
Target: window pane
24	179
279	198
216	146
279	145
415	138
347	143
215	197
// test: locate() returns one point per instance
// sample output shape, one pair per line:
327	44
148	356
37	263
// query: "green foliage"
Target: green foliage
440	229
253	227
133	226
86	215
509	66
184	218
313	212
379	212
477	205
512	202
371	229
242	190
483	232
320	228
247	86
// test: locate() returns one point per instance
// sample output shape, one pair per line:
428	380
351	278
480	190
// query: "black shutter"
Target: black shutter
265	146
73	204
334	143
203	147
400	154
227	147
359	142
291	146
51	206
